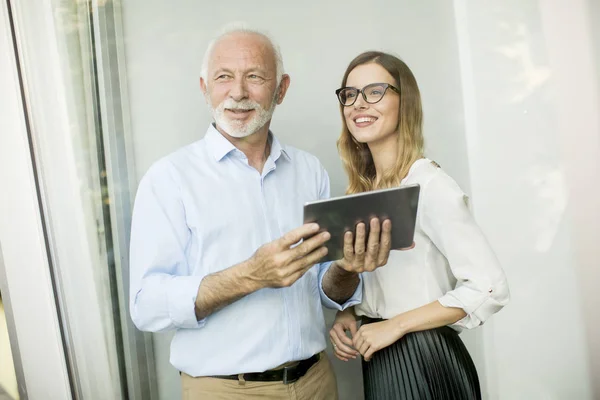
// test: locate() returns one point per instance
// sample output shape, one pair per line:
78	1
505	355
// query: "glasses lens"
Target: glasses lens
374	92
347	96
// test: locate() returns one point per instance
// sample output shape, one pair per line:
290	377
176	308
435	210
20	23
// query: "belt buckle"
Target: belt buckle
286	380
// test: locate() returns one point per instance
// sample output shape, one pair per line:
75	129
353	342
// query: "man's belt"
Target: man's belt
286	374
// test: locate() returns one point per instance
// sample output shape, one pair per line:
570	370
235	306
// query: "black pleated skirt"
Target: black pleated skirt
432	364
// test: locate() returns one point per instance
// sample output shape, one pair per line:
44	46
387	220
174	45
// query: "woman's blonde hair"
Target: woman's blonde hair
357	158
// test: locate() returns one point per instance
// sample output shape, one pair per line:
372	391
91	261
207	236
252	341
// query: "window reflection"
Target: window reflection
492	104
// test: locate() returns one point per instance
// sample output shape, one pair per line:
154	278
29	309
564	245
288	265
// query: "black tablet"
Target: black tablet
340	214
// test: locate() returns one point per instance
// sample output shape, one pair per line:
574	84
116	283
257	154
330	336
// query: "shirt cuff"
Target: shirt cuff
181	301
478	306
355	299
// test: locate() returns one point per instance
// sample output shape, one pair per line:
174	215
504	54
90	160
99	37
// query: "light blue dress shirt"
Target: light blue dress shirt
203	209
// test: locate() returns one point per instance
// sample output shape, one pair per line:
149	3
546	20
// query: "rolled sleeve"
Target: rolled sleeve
477	305
166	302
481	287
162	288
355	299
181	300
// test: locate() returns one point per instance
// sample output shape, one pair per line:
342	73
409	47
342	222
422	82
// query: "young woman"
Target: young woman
414	307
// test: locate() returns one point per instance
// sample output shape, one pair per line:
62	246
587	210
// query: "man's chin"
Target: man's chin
239	135
239	130
236	132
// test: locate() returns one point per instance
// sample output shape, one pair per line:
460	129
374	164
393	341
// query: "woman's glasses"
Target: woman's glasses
371	93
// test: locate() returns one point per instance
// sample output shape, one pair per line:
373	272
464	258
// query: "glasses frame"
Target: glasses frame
362	91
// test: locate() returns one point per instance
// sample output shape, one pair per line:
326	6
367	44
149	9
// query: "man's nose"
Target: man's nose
239	90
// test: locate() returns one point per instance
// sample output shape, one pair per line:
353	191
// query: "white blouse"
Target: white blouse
452	261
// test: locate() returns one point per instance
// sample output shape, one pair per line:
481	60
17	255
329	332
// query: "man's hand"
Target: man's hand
277	264
342	344
362	255
342	279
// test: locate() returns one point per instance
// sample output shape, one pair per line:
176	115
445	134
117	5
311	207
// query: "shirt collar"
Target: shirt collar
221	147
277	149
217	144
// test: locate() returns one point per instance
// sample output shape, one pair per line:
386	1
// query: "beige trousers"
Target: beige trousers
317	384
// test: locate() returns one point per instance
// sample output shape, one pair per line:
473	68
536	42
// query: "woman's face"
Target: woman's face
372	123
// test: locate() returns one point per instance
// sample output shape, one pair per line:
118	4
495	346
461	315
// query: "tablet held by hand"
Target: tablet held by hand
341	214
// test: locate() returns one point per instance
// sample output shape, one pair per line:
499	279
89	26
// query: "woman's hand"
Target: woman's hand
342	344
376	336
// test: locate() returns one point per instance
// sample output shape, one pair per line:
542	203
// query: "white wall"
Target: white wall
593	25
164	46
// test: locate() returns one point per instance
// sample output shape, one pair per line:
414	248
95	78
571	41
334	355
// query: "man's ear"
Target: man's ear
283	87
204	89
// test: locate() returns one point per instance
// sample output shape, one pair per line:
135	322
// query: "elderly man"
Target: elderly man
218	251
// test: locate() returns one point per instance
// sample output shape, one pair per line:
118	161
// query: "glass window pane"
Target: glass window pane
8	379
510	96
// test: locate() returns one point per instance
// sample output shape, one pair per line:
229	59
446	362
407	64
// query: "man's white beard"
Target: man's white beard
237	128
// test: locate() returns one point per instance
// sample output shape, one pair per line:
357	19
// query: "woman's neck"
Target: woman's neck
385	154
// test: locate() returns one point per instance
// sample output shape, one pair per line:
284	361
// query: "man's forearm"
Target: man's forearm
222	288
338	284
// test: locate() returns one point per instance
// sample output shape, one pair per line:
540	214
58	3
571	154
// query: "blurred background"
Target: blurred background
95	91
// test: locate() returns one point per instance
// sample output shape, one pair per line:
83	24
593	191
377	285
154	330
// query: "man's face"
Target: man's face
241	83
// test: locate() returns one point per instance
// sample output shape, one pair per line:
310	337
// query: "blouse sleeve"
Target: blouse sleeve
481	289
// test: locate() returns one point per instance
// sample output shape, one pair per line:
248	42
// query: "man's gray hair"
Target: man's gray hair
240	27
